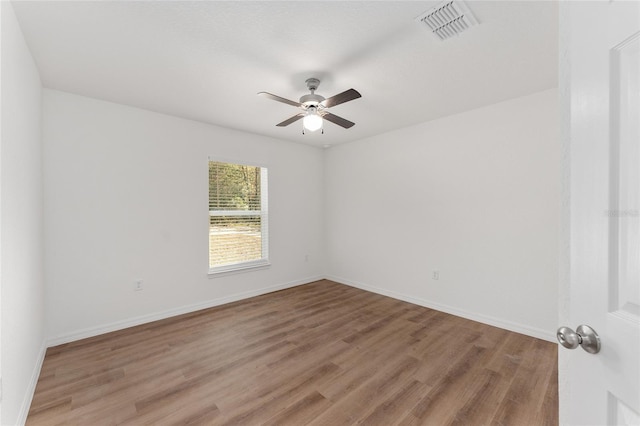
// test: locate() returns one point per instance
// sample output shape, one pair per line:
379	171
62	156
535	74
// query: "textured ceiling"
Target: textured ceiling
206	60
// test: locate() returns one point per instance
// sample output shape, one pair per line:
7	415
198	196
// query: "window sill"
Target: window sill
222	271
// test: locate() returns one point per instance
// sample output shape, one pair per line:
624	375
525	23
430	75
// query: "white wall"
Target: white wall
475	196
21	222
126	193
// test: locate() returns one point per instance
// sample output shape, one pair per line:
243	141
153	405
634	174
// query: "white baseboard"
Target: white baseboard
485	319
131	322
31	389
143	319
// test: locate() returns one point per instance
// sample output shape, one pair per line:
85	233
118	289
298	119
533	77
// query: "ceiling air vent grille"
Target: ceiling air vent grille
448	19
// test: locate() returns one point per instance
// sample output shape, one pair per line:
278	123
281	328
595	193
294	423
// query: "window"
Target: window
238	221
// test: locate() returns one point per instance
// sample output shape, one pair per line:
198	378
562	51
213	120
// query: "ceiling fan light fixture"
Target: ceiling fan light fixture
312	121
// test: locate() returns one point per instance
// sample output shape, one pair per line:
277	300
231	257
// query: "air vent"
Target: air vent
448	19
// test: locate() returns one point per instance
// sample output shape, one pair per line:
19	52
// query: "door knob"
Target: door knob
584	336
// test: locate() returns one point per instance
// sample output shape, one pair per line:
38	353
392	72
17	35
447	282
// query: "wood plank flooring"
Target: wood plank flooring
318	354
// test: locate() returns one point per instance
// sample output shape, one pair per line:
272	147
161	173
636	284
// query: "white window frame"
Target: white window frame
264	223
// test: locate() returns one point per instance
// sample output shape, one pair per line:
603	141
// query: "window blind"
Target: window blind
238	218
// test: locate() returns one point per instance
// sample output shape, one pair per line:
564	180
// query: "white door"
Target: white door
604	221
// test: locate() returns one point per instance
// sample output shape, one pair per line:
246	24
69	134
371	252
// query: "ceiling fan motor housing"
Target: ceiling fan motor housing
311	99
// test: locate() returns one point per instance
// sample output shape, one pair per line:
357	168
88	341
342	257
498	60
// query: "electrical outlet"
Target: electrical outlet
137	285
435	275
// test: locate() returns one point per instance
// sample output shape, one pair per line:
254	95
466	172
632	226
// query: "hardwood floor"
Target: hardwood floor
319	354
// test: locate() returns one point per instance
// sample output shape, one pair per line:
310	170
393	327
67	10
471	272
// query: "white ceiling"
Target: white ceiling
206	60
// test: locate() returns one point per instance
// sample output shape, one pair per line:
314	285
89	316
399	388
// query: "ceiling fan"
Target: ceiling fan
315	107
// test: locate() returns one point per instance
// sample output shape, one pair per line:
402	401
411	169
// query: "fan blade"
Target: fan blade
340	98
338	120
291	120
279	99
